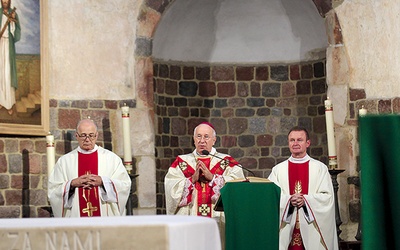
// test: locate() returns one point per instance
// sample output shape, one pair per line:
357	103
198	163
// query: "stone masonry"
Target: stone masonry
251	106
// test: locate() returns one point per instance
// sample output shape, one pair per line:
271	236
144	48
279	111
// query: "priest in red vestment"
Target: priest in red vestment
90	180
193	181
307	206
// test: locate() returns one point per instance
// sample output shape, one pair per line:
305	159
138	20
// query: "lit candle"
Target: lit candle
330	134
362	111
50	153
127	138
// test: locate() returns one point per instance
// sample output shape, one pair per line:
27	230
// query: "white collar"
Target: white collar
300	160
80	150
213	152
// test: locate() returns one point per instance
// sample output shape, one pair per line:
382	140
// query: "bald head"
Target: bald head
86	133
86	121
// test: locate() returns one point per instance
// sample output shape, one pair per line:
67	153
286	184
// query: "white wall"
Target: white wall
371	32
240	31
91	49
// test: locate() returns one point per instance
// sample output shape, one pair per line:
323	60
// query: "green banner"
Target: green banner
380	181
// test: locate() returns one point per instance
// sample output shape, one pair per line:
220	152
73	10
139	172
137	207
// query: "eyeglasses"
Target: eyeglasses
205	137
91	136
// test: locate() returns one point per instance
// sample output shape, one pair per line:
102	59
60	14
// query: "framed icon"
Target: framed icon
24	102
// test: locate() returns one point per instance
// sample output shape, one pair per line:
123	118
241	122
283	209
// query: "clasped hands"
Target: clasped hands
297	200
202	173
87	181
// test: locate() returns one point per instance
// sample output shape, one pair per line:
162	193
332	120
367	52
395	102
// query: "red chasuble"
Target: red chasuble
89	199
298	183
204	190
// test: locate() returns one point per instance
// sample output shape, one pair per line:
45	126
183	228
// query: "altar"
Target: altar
159	232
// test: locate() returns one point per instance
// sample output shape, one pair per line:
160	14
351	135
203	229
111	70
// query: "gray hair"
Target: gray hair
214	133
86	120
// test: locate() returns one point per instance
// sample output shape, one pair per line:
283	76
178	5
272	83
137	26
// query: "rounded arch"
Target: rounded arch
255	31
150	14
149	18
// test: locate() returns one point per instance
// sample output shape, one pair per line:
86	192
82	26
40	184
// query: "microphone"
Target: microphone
205	152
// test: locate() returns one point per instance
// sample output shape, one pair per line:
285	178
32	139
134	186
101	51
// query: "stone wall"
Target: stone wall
251	106
22	179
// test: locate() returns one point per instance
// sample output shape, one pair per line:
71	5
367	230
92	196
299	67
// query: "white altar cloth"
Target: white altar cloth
169	232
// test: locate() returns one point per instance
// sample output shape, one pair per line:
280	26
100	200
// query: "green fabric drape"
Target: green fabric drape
252	215
380	181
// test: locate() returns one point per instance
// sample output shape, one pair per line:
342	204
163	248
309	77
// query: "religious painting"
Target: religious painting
24	104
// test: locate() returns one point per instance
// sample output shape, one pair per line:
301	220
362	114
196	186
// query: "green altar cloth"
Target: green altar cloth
252	215
380	181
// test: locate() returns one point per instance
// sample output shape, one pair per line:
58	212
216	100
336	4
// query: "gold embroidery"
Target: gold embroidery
297	187
203	185
89	209
296	240
296	237
183	165
224	164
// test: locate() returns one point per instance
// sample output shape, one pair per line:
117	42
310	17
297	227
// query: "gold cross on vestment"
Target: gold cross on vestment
89	209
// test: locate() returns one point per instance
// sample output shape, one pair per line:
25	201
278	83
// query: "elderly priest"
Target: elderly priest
194	180
90	180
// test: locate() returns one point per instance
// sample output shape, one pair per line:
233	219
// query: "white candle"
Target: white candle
362	111
330	134
50	153
127	138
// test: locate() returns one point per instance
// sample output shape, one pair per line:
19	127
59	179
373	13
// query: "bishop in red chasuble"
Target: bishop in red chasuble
193	181
307	207
90	180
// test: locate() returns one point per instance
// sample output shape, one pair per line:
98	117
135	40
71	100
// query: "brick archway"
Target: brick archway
149	17
150	14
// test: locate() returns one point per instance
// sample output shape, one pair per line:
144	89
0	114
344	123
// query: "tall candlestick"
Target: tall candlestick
50	153
127	138
330	134
362	111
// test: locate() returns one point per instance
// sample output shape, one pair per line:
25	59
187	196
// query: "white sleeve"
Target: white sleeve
67	198
107	193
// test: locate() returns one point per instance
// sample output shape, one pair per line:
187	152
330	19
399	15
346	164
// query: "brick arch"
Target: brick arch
150	15
151	12
323	6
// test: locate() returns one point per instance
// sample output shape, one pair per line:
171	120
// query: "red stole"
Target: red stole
298	183
89	200
204	191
